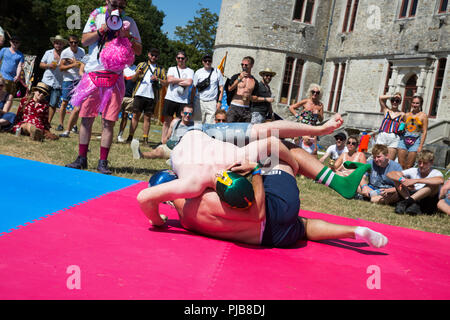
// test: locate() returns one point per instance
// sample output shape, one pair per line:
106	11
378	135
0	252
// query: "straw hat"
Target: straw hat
59	38
42	87
267	71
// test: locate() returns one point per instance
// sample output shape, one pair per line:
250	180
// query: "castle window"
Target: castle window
303	11
440	71
443	6
291	81
350	15
410	91
408	8
336	87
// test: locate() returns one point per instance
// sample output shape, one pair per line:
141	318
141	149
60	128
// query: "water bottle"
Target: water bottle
375	193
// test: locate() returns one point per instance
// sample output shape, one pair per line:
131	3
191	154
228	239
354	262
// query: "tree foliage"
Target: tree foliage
200	32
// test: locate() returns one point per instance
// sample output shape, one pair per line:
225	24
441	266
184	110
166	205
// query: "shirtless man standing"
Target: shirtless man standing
240	89
272	220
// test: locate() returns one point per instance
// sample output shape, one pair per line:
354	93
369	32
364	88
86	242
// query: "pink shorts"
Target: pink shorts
89	107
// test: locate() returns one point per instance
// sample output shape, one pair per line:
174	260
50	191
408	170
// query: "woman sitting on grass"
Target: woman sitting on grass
352	155
32	113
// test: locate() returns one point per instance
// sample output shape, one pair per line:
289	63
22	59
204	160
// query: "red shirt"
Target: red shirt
35	113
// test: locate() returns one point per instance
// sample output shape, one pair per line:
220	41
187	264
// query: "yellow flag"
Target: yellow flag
221	66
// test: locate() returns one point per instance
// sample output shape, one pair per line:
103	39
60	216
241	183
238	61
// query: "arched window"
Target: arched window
410	91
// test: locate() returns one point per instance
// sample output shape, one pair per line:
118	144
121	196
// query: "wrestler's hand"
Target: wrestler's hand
332	124
159	224
243	168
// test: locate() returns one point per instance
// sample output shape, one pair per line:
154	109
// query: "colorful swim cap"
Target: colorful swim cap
235	190
162	176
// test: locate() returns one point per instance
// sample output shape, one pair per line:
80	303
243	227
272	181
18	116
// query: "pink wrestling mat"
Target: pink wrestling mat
107	248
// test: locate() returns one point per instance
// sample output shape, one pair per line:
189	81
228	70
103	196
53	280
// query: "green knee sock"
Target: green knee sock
345	186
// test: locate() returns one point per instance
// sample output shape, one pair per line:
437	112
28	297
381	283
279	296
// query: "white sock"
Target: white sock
374	239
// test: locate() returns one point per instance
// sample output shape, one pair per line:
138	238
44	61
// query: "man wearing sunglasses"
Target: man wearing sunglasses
206	99
70	67
262	107
241	89
179	79
176	127
12	61
96	35
334	151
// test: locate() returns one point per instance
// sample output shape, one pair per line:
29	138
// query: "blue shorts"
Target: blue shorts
53	98
283	225
67	88
237	133
447	200
409	143
10	117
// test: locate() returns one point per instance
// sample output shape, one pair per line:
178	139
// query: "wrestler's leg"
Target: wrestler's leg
317	229
291	129
312	168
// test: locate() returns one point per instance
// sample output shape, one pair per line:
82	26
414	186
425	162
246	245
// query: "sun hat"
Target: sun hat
267	71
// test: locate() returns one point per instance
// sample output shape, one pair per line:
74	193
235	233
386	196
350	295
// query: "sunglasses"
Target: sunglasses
181	58
339	139
244	64
220	120
187	113
154	55
73	42
352	143
396	100
42	92
207	61
315	92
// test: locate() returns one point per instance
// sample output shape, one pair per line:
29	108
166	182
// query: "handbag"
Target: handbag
103	79
202	85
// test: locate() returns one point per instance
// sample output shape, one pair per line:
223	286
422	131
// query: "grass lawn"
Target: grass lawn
314	197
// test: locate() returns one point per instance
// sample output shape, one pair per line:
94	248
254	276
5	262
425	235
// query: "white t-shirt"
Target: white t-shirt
72	73
414	173
95	64
216	80
145	88
52	78
172	92
334	152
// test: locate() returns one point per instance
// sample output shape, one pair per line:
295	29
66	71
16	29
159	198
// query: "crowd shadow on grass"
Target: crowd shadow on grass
133	170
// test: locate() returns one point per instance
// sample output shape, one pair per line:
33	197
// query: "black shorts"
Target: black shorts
283	226
143	104
238	114
171	107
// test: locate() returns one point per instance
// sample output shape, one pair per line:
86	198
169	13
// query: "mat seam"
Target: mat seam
217	271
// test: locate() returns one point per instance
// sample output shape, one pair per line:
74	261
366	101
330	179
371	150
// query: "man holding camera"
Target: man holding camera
240	89
206	97
96	35
148	77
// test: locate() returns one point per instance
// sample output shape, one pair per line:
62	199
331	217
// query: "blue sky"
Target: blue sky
179	12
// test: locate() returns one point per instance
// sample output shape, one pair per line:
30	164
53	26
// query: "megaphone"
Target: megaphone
114	21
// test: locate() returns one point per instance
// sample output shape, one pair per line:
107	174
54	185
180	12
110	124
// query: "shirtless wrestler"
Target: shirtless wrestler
272	220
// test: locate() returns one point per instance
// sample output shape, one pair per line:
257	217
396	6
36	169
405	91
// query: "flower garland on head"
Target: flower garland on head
94	15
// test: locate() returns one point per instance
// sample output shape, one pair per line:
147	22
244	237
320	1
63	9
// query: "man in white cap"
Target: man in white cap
53	76
261	107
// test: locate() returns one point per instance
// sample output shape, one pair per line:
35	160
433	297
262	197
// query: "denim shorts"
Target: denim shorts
390	140
54	97
409	147
67	88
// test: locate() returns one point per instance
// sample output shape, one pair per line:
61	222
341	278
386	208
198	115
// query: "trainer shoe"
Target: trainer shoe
59	128
135	149
74	129
79	163
413	209
120	139
103	167
400	208
65	134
